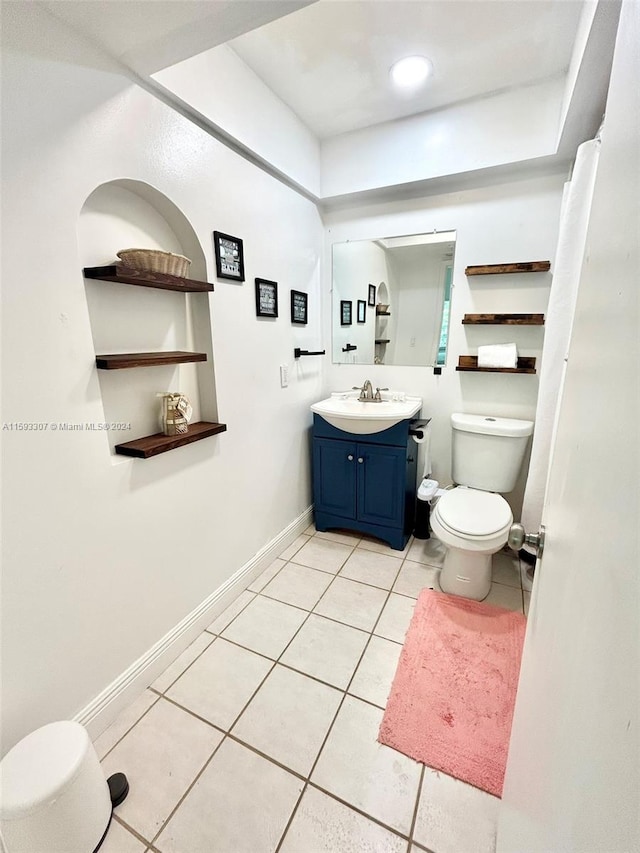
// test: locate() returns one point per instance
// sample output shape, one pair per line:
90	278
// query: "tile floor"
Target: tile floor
261	736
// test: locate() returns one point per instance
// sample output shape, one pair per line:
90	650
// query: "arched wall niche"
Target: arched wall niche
122	214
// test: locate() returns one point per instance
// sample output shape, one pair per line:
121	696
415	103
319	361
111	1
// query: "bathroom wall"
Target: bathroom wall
102	556
236	99
517	221
509	127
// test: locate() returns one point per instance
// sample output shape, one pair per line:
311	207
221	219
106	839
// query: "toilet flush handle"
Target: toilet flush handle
518	538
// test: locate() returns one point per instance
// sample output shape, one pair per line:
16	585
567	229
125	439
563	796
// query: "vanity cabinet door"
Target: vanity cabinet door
381	477
334	479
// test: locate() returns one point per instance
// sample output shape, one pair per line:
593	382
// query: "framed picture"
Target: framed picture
345	312
362	310
229	256
266	298
299	302
372	295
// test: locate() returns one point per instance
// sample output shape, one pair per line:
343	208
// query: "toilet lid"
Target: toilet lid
474	513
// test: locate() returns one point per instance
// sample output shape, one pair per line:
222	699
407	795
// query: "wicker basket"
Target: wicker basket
154	260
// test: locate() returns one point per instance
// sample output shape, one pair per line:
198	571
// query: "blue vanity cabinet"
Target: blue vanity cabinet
334	476
365	482
380	491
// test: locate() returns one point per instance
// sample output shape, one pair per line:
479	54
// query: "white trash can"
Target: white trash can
54	797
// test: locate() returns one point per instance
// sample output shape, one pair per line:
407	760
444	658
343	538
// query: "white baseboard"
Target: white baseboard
102	711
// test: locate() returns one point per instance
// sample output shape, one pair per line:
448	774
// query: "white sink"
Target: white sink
346	412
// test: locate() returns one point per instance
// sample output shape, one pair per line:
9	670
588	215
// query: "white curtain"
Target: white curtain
574	219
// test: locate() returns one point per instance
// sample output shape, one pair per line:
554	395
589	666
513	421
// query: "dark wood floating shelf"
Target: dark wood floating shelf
504	319
152	445
119	361
143	278
470	363
383	313
382	340
501	269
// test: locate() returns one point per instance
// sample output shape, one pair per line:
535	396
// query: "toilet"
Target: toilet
473	519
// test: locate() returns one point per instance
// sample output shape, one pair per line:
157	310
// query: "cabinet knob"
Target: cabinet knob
350	457
360	459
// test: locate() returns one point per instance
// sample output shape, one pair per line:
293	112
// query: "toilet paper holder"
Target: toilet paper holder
418	426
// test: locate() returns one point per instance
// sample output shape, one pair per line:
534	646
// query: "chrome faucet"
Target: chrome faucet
366	392
378	397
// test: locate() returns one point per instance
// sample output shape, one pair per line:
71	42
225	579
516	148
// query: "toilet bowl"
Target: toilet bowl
473	525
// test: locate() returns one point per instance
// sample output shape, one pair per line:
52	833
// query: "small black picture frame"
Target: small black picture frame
372	295
345	312
299	307
229	256
266	298
362	311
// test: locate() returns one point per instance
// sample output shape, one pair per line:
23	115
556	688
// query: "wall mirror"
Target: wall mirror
405	283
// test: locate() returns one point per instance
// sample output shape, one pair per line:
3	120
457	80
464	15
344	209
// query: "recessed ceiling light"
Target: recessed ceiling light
410	72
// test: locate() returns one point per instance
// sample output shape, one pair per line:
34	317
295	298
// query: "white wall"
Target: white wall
582	36
504	128
101	560
510	222
224	89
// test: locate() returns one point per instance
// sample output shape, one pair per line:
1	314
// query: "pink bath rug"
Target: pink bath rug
451	703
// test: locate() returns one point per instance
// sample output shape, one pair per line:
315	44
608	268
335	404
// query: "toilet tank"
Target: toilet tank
487	452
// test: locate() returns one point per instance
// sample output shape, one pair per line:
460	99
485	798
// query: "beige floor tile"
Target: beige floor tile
295	546
395	618
161	756
368	543
506	569
175	670
265	626
376	671
370	567
323	554
311	530
323	825
269	573
288	718
414	577
326	650
378	780
430	551
220	683
240	804
505	596
453	816
123	722
298	585
353	603
227	616
120	840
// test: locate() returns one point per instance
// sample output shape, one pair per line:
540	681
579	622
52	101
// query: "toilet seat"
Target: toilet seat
471	514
